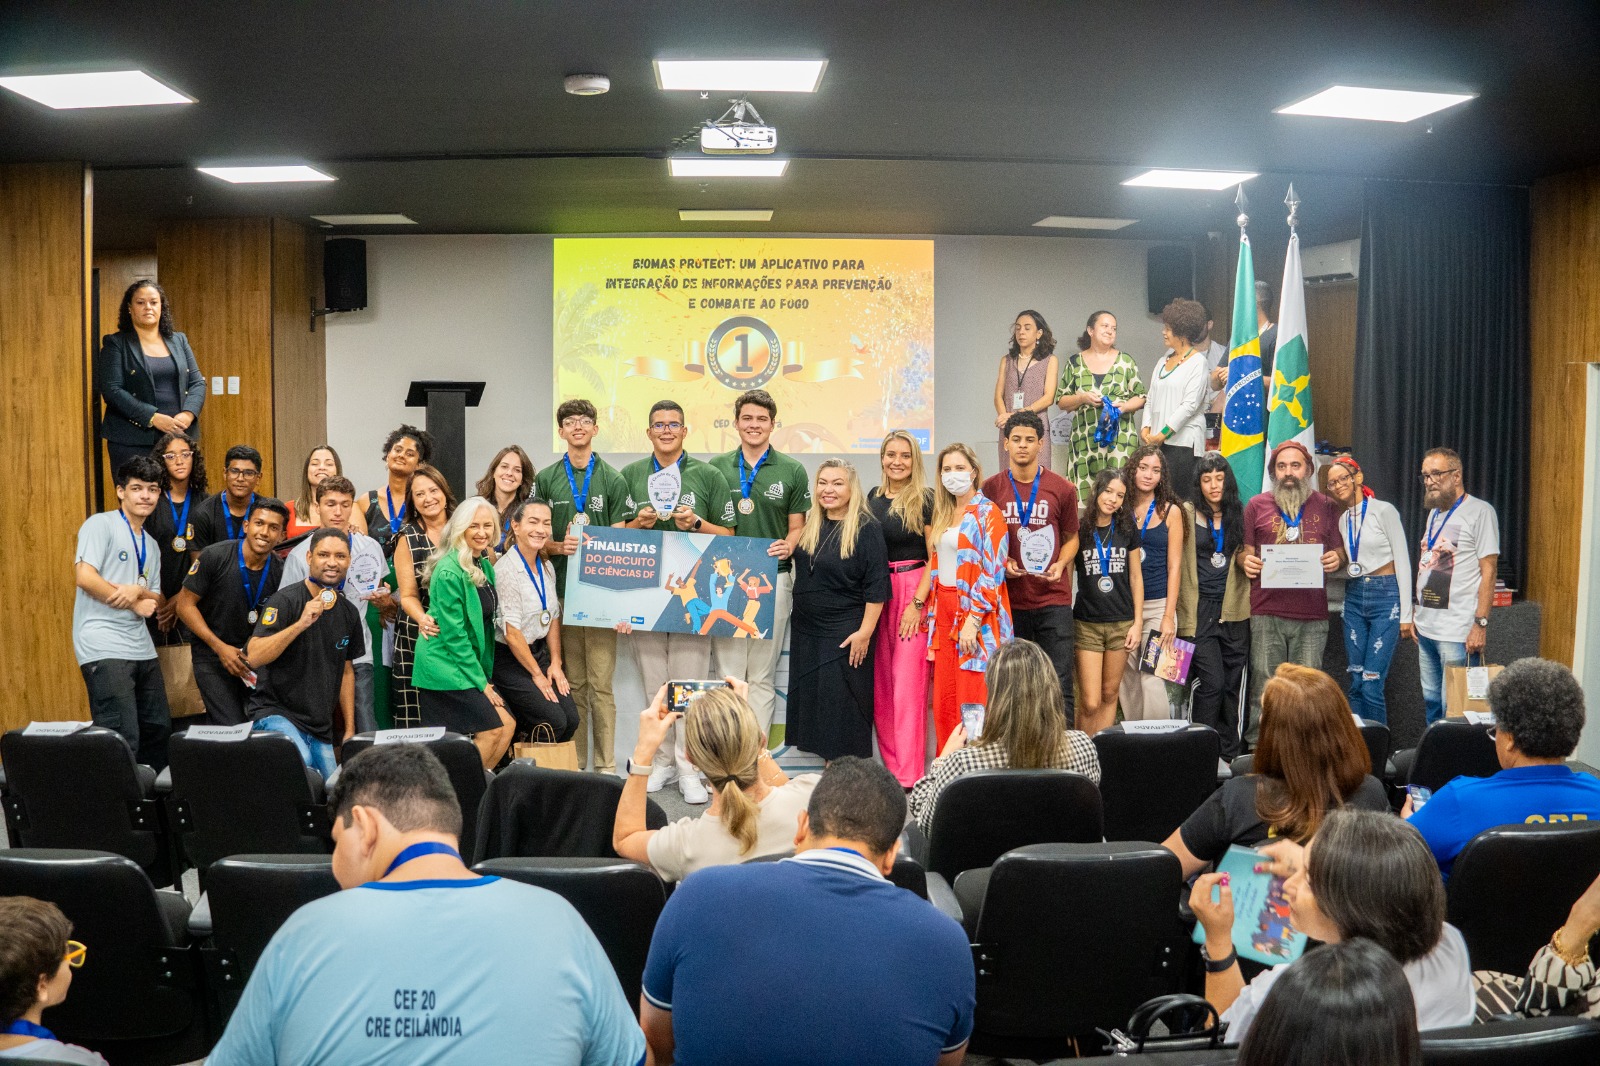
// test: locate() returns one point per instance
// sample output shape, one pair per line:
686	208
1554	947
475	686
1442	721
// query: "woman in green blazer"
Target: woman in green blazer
453	666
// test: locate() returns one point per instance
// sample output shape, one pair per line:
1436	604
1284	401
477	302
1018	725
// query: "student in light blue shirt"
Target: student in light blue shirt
420	960
1539	715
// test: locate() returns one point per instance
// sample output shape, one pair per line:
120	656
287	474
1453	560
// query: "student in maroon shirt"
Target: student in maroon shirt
1041	511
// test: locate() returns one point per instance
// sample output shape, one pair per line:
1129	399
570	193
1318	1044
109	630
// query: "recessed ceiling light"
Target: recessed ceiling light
107	88
365	220
741	75
1082	222
250	175
753	215
1374	105
694	166
1190	179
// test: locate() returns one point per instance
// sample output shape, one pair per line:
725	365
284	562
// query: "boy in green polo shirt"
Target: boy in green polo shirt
772	493
589	655
671	490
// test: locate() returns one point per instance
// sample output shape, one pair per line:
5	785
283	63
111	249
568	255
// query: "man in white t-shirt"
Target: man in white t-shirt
1455	575
336	499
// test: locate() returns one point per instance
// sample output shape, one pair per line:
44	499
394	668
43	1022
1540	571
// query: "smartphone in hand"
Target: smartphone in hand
681	693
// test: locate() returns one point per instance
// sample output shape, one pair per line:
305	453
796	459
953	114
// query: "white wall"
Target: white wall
479	307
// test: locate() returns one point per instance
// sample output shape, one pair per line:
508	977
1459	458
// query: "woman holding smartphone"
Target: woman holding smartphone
1110	599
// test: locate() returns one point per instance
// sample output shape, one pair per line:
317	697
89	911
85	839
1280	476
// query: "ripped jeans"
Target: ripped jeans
1371	632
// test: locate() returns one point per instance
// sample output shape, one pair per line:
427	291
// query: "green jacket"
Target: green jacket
1235	599
462	655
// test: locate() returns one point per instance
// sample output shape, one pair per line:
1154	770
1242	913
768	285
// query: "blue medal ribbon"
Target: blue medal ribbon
227	517
1354	531
1108	426
1149	513
1216	534
580	499
254	597
395	520
23	1027
181	521
1433	534
1025	514
1103	550
138	541
417	851
1297	516
535	575
748	483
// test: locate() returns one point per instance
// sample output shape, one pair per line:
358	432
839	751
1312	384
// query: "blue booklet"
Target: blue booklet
1261	929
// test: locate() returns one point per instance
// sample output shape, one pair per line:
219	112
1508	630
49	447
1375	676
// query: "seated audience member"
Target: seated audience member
1024	728
870	973
420	959
754	805
1560	979
1343	1003
1364	874
1538	714
1310	759
36	964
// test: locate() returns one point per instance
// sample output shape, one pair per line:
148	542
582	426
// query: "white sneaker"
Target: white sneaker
659	777
693	791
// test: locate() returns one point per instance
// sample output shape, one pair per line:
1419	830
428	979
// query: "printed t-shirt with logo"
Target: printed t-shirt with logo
1447	574
302	684
1051	524
782	488
606	505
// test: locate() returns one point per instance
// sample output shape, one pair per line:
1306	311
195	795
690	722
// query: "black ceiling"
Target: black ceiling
933	117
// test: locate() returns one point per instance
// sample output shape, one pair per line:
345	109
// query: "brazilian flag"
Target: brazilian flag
1243	410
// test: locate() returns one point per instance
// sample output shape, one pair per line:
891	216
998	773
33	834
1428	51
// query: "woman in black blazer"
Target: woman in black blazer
147	376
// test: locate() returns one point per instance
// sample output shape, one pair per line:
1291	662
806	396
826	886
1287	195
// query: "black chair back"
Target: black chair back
250	897
982	815
1525	1042
531	811
134	984
467	775
1379	746
1453	748
1072	937
1151	782
249	797
620	901
1512	886
85	791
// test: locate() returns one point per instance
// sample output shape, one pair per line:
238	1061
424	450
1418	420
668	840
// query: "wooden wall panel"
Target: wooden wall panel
1331	339
116	270
299	355
45	445
218	275
1564	297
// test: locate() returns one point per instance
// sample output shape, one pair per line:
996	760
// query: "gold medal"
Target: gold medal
580	519
327	596
179	544
544	618
746	505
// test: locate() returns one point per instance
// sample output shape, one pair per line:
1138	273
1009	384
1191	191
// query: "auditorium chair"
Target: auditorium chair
137	998
906	873
532	811
249	797
1377	738
1073	937
1524	1042
1151	782
1512	886
467	775
1449	748
620	900
86	791
248	897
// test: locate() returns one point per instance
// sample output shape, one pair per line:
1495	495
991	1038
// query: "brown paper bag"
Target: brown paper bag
549	753
1457	700
177	674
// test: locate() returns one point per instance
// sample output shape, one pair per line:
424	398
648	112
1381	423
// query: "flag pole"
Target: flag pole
1292	202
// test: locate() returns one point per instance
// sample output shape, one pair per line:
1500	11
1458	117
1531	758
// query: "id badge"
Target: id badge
1017	401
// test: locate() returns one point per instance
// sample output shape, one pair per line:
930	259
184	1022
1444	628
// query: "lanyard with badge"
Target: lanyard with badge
536	575
180	522
748	483
580	498
138	550
1433	534
1355	531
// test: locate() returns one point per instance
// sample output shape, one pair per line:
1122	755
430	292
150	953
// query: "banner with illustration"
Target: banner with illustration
840	332
665	581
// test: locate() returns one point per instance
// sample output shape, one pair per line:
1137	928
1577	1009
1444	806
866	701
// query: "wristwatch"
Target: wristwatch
635	770
1481	621
698	522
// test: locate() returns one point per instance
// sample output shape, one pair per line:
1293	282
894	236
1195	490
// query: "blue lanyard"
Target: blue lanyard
1104	551
1025	514
535	575
417	851
395	520
23	1027
748	483
253	598
227	517
656	467
580	500
1355	533
138	540
180	521
1297	516
1433	534
1149	513
1216	534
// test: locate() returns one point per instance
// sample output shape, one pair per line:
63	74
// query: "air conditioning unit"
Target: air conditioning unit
1332	262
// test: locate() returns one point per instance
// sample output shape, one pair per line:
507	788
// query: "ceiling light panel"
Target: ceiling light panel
1374	105
1190	179
725	167
256	175
1083	222
741	75
731	215
365	220
107	88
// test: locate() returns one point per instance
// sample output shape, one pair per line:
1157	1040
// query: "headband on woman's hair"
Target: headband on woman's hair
1349	463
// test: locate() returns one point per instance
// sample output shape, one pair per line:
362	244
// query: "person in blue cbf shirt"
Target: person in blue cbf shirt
420	960
870	973
1538	714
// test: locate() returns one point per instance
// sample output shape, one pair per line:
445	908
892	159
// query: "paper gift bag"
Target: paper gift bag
548	752
177	674
1466	688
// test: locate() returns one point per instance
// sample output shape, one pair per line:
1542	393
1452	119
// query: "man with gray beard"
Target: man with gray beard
1287	625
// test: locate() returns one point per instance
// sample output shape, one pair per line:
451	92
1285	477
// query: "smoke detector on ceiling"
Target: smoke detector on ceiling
586	84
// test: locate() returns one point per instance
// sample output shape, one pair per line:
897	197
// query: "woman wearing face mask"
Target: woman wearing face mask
903	506
429	503
1110	597
1159	519
527	650
1214	599
507	482
453	667
1027	377
970	613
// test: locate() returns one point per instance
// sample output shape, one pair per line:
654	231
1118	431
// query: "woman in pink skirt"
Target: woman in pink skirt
903	506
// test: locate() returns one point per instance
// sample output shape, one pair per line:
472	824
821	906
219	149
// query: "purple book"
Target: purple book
1171	665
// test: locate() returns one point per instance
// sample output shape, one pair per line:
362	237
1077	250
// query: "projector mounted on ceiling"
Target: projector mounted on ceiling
739	131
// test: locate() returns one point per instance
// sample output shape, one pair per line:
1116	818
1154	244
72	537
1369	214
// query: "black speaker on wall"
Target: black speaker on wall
1169	274
344	273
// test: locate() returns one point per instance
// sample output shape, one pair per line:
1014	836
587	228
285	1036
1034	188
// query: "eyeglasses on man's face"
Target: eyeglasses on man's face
243	473
577	422
1428	477
666	427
